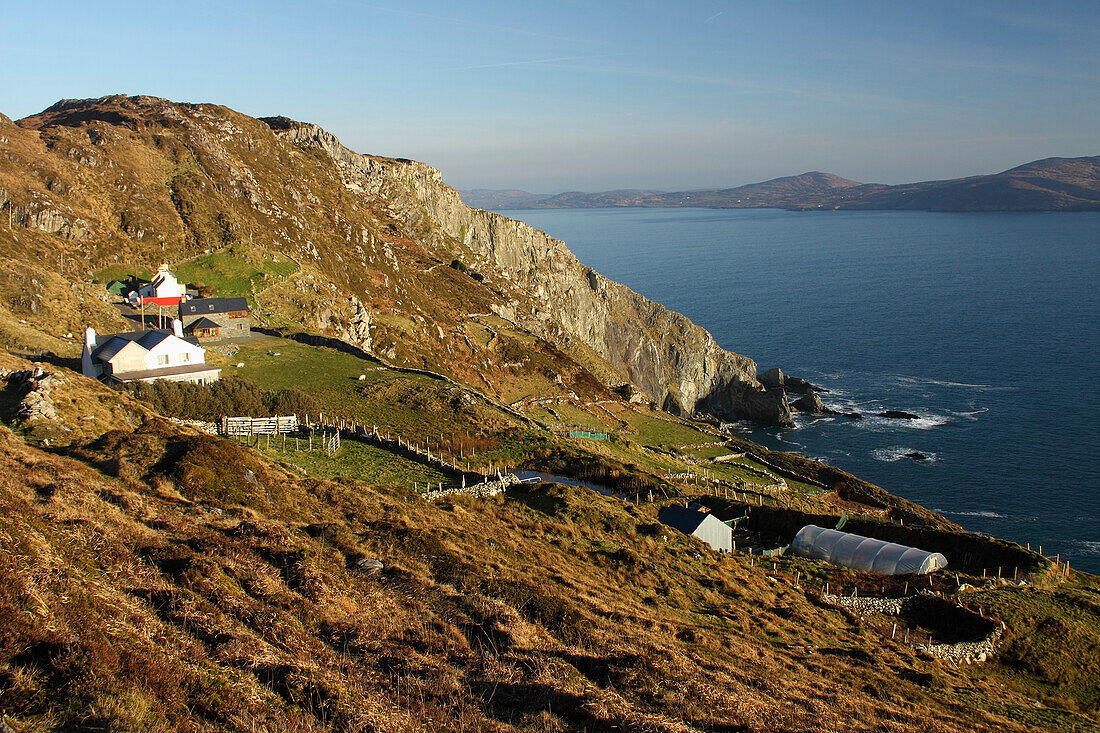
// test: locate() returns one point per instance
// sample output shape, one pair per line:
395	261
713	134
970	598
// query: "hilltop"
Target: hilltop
1052	184
157	577
383	254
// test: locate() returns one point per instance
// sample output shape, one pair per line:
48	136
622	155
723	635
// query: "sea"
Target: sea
985	325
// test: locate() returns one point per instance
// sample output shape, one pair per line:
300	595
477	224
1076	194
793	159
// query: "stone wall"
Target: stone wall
480	491
968	652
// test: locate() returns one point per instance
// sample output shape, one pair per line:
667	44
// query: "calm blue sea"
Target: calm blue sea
986	325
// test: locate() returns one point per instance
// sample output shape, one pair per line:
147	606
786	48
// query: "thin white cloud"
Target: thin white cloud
713	17
528	62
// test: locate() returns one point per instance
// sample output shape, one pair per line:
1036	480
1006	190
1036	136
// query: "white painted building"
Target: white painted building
164	289
144	356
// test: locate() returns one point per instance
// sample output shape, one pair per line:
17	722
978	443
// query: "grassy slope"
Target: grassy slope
154	578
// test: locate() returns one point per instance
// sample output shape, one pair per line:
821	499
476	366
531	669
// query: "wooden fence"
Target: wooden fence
259	425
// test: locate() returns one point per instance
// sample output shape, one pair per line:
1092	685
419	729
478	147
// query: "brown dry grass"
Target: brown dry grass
152	578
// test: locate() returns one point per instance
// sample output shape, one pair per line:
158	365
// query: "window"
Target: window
162	360
185	358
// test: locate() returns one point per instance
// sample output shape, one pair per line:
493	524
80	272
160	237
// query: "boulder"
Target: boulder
899	415
798	385
772	379
369	566
809	403
916	455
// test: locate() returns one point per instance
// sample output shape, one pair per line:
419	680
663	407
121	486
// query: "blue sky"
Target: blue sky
562	95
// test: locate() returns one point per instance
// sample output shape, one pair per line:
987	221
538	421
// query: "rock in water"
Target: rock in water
809	403
772	379
899	415
798	385
916	455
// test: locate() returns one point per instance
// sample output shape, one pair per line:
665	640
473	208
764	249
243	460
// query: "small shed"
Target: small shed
698	522
864	553
116	287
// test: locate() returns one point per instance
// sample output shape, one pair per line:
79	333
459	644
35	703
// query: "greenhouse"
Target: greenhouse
864	553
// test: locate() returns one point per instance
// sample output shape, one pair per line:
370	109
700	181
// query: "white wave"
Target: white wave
897	453
958	385
970	414
982	513
928	422
877	423
1088	547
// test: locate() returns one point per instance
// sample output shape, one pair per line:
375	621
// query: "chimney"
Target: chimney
89	338
177	328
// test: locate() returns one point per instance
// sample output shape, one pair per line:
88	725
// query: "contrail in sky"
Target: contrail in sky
713	17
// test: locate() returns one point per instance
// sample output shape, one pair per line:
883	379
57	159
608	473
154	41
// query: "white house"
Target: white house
143	356
164	289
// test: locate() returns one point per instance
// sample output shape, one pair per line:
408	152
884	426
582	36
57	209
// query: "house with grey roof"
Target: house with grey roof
697	521
215	318
145	356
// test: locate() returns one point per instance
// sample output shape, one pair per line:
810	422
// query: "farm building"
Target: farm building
144	356
215	318
698	522
863	553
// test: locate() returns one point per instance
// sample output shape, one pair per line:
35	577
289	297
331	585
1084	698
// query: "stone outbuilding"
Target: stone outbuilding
215	318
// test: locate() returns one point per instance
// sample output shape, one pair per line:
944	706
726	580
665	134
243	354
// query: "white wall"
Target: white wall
177	352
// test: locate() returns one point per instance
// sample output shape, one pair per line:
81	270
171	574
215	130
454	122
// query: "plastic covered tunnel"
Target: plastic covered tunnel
863	553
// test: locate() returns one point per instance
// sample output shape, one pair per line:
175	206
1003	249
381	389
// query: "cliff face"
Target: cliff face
672	360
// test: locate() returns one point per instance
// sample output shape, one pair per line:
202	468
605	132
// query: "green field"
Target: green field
665	431
357	461
230	275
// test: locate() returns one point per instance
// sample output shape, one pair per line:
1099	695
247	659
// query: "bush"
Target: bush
230	396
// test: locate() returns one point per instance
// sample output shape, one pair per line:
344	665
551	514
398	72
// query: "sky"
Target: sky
563	95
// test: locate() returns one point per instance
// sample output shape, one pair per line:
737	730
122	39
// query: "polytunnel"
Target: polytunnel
863	553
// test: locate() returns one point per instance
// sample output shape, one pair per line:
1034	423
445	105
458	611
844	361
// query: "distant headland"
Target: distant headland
1051	184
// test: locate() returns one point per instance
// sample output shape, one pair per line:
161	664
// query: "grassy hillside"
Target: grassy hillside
156	578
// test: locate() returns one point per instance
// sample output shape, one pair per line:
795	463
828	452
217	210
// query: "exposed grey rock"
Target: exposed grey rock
369	566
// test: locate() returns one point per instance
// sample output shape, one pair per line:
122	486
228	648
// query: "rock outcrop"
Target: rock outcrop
674	362
809	403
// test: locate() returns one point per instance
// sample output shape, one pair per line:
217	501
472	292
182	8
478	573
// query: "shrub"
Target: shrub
228	396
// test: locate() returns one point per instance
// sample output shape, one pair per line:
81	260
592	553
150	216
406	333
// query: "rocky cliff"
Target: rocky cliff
672	360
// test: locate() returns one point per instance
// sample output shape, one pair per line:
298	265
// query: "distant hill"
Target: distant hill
1052	184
